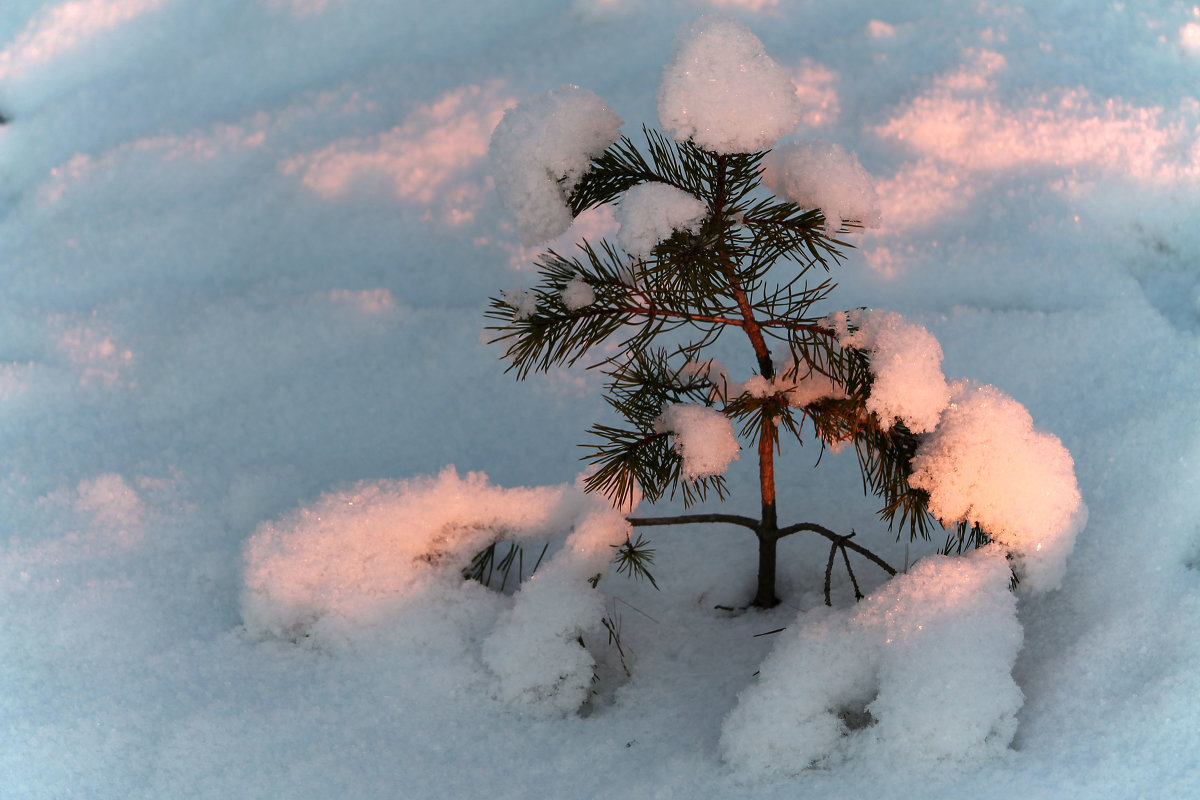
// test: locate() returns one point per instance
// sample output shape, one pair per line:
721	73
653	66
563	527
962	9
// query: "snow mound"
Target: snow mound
916	674
650	212
535	648
354	556
723	91
540	150
825	176
987	464
389	556
703	437
906	361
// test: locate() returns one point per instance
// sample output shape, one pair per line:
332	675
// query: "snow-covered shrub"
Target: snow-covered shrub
704	249
387	558
920	670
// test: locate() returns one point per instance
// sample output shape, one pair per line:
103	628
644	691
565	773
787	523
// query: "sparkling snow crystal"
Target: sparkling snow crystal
824	176
703	438
906	361
723	91
986	463
539	151
650	212
923	668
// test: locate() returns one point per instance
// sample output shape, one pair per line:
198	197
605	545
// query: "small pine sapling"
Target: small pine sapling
723	231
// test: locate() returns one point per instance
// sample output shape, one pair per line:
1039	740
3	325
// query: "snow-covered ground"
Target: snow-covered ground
245	247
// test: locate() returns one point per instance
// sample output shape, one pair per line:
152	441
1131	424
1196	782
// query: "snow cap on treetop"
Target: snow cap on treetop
650	212
541	149
825	176
986	463
723	91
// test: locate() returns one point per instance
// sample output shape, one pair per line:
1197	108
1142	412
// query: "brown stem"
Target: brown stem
768	528
683	519
836	538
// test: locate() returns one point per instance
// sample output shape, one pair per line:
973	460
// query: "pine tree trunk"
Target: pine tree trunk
768	528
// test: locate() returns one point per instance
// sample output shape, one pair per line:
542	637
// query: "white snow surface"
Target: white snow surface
823	175
723	92
540	150
651	212
245	246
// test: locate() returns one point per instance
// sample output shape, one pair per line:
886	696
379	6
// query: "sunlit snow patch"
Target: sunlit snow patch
65	26
425	160
384	558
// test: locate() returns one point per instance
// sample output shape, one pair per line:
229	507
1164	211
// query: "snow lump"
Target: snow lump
541	149
651	212
723	91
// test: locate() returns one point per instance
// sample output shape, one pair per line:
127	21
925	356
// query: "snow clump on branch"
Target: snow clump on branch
906	361
651	212
541	149
723	91
577	294
825	176
703	437
987	464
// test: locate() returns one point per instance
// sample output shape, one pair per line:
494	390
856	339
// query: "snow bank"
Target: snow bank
703	437
354	557
822	175
986	463
540	150
906	362
650	212
915	674
723	91
536	648
389	556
